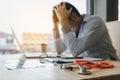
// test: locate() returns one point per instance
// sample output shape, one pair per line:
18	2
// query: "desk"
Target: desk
55	73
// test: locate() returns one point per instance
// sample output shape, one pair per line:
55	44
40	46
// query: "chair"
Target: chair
114	32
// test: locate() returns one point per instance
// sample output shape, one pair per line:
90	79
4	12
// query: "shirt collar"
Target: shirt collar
86	17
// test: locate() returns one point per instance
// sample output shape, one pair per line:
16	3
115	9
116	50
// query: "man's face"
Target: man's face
72	23
72	27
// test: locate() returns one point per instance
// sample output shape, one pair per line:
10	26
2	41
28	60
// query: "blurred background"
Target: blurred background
32	24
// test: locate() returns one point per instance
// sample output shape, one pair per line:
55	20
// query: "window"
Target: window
32	16
119	10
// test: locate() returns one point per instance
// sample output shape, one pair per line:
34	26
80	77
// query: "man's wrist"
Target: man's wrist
64	22
66	29
56	32
55	24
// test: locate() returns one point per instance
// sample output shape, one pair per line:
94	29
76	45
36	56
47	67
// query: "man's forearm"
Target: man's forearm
56	31
59	46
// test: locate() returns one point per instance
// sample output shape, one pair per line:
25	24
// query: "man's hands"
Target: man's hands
62	14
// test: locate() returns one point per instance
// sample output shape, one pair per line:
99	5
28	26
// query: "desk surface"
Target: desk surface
55	73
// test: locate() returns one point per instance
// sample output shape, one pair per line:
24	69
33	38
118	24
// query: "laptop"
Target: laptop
26	53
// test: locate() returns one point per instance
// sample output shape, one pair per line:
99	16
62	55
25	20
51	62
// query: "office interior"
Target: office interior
14	65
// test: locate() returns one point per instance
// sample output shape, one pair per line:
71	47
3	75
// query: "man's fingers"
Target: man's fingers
55	10
63	4
59	5
54	7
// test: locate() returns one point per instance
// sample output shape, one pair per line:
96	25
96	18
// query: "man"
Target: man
83	35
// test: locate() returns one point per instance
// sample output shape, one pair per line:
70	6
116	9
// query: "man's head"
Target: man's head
69	5
66	11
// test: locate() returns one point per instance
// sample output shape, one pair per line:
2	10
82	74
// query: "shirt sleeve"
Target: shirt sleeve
60	46
91	34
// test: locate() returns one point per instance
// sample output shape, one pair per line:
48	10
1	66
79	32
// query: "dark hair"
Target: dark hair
69	5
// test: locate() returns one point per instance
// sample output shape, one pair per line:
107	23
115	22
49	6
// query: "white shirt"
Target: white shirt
93	40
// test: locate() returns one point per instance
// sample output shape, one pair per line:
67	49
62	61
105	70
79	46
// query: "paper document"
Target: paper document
32	63
11	64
